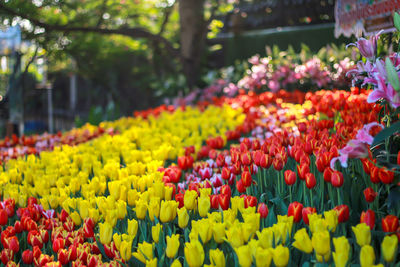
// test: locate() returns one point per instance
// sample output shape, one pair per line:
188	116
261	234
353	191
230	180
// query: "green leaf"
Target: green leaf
393	77
396	20
385	133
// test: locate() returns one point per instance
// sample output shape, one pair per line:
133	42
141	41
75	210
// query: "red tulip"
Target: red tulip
390	223
246	179
386	176
250	201
290	177
6	256
265	161
63	215
73	254
368	217
18	227
13	244
328	174
374	176
224	201
225	173
295	209
58	244
342	212
226	190
34	239
306	211
263	210
240	187
236	168
214	201
255	145
337	179
302	170
370	194
179	199
310	180
278	163
62	256
220	161
3	217
256	155
398	158
245	158
305	159
27	256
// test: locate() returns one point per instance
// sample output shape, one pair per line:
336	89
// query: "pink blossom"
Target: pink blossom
353	149
384	91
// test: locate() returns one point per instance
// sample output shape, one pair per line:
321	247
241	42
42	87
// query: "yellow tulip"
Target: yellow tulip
189	199
117	240
76	218
280	256
321	243
237	203
235	236
205	192
302	241
342	251
132	228
121	209
266	237
244	255
203	229
331	219
154	208
204	205
94	214
126	250
176	263
194	253
144	252
389	247
84	209
106	231
132	197
168	210
218	230
217	258
172	246
168	190
367	256
263	257
363	234
141	209
183	217
151	263
155	232
159	189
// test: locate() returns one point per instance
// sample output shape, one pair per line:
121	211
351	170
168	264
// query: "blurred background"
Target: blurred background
64	63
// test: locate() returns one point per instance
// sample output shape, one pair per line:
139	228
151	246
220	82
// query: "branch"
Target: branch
167	14
131	32
102	11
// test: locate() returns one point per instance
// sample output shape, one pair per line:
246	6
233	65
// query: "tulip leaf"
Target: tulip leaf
385	133
396	19
393	77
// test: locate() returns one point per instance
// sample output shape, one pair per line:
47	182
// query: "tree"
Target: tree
178	33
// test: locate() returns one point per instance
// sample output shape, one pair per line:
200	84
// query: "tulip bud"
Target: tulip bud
363	234
183	217
302	241
172	246
337	179
190	199
62	256
226	173
310	180
244	255
389	248
106	231
250	201
302	170
368	217
328	174
280	256
390	223
265	161
246	179
3	217
342	251
263	210
342	212
218	230
322	245
194	253
295	209
240	187
223	201
27	257
290	177
367	256
369	194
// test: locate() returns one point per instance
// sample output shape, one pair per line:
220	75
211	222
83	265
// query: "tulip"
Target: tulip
250	201
280	256
183	217
218	230
76	218
156	231
310	180
389	247
154	208
290	177
331	219
190	199
302	241
6	256
321	243
27	256
240	186
3	217
278	163
194	253
302	170
106	231
368	218
176	263
246	179
141	209
132	228
225	173
244	255
263	210
172	246
337	179
217	257
386	176
295	209
235	236
328	174
224	201
263	257
367	256
168	210
144	252
305	212
204	205
369	194
245	158
342	212
265	161
342	251
390	223
126	250
58	244
363	234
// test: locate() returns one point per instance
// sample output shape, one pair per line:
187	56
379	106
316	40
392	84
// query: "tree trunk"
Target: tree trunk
192	37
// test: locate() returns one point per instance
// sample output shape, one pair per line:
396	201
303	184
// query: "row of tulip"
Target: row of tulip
222	203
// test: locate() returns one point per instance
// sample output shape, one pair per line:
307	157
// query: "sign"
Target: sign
364	16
